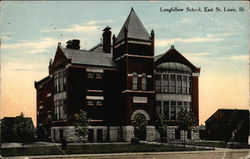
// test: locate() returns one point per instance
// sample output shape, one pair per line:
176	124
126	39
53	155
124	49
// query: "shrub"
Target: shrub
135	141
237	145
164	139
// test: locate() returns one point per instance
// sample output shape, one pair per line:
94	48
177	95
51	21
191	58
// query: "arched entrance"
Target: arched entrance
140	120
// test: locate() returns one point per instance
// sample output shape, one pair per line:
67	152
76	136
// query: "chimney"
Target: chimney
73	44
107	40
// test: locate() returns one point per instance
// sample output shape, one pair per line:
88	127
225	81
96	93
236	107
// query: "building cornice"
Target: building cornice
131	55
94	67
95	91
136	91
196	74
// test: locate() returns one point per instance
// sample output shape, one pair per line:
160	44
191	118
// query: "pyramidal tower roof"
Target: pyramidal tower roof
135	28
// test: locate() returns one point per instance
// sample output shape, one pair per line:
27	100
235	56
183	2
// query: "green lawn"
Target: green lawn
96	148
220	144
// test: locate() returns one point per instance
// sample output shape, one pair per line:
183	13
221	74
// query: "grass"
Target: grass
91	149
220	144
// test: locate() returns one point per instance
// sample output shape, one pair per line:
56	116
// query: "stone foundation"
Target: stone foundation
195	134
171	133
151	133
127	133
68	133
116	133
183	135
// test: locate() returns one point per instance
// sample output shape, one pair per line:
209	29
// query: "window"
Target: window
94	100
166	108
59	109
165	83
172	84
188	85
184	85
158	107
135	81
178	108
189	108
158	83
98	103
90	102
90	75
185	106
144	82
178	84
60	81
173	110
98	75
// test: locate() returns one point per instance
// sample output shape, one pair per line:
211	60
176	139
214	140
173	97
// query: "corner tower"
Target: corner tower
133	51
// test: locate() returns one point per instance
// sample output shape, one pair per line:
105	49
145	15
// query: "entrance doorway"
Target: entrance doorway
141	133
139	120
177	134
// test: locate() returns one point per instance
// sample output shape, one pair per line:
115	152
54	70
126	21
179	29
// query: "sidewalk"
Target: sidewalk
117	155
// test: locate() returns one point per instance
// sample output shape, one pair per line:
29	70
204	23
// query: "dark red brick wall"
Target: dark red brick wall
195	96
43	89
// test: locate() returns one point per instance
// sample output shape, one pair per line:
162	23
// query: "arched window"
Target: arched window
144	82
135	81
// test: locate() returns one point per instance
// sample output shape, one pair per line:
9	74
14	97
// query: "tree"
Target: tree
161	125
139	122
187	121
24	129
81	125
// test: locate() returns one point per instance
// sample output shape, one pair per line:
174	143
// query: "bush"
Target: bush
135	141
164	139
237	145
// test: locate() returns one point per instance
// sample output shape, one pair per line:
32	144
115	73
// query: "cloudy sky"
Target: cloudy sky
218	42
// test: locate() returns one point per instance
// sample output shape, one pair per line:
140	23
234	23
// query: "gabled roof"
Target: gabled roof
172	55
97	48
84	57
215	117
135	28
157	57
42	81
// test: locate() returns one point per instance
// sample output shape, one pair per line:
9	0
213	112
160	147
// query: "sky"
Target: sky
217	42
